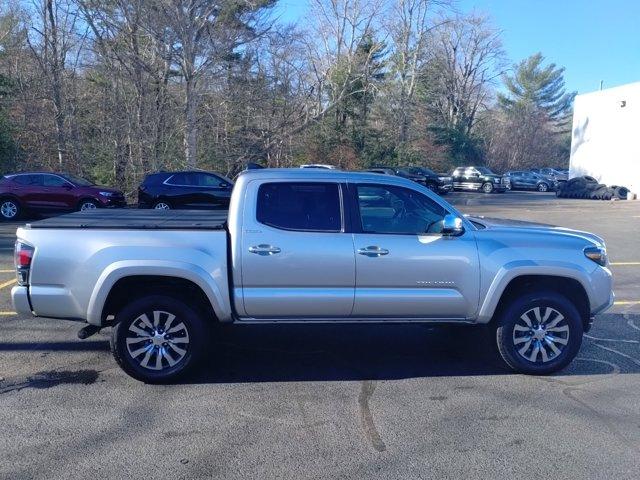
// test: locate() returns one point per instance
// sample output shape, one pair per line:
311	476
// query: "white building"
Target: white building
605	140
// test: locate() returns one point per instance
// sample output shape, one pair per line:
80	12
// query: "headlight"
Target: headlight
597	254
107	194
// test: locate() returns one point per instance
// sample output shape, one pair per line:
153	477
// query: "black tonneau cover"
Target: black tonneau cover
134	219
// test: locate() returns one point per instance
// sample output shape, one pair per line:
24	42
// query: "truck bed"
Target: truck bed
134	219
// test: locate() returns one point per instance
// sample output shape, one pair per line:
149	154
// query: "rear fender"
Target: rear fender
213	285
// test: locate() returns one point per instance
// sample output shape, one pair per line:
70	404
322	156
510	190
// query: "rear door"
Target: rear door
406	269
297	261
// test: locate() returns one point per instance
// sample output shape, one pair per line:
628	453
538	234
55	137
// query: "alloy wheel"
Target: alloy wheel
9	209
543	187
162	206
541	334
158	341
87	206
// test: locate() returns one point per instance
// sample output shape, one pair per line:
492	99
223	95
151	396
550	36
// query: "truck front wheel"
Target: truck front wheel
157	338
539	333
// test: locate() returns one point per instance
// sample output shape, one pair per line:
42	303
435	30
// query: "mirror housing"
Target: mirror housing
452	226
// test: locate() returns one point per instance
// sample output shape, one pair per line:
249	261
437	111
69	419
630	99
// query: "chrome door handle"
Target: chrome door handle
373	251
264	249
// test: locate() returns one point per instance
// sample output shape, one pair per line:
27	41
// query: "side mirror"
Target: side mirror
452	226
224	185
475	174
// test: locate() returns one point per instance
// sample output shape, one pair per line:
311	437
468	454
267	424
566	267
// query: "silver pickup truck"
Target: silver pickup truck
311	246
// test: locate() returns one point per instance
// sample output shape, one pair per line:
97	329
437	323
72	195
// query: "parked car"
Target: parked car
42	192
438	183
523	180
191	190
479	178
552	174
304	246
423	176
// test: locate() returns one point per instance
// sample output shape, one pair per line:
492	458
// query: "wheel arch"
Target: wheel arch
116	284
568	286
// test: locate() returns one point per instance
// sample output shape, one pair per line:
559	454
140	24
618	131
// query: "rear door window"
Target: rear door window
53	181
307	206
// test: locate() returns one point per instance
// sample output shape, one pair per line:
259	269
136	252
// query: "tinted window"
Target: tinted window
300	206
26	179
389	209
207	180
182	179
53	181
79	181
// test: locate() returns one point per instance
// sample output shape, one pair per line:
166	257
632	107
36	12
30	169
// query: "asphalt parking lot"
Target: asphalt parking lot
368	401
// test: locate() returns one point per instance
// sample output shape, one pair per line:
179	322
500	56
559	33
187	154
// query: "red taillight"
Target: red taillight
22	259
23	255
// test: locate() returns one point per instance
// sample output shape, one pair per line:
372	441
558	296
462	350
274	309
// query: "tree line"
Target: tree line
115	89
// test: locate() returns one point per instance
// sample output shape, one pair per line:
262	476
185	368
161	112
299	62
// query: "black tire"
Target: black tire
487	187
515	345
543	187
162	205
621	192
87	204
189	337
10	209
433	187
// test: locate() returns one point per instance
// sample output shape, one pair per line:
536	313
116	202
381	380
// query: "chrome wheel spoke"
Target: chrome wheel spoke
559	340
555	321
178	350
534	353
563	328
526	319
164	343
540	334
145	320
179	340
139	331
552	346
525	348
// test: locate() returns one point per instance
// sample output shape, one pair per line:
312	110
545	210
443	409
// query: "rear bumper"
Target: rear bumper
20	300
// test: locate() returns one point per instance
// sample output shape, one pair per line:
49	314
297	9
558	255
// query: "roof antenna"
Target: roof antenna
601	82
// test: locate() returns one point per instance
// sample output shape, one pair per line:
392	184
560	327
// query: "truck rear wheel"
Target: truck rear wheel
539	333
157	338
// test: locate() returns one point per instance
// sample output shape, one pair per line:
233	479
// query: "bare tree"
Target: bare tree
467	60
409	26
53	40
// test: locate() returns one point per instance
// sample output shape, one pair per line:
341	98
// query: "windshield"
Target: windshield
485	171
78	181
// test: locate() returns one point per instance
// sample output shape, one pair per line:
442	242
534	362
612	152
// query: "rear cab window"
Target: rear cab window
300	206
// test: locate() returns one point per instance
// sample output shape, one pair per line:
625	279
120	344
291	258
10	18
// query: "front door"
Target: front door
405	267
296	260
55	193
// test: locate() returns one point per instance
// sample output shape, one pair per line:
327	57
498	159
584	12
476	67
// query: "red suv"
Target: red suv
52	192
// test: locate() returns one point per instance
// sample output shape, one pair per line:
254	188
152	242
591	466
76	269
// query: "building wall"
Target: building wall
605	141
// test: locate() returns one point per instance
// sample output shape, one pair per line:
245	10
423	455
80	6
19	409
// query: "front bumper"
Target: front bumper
20	300
108	202
446	188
